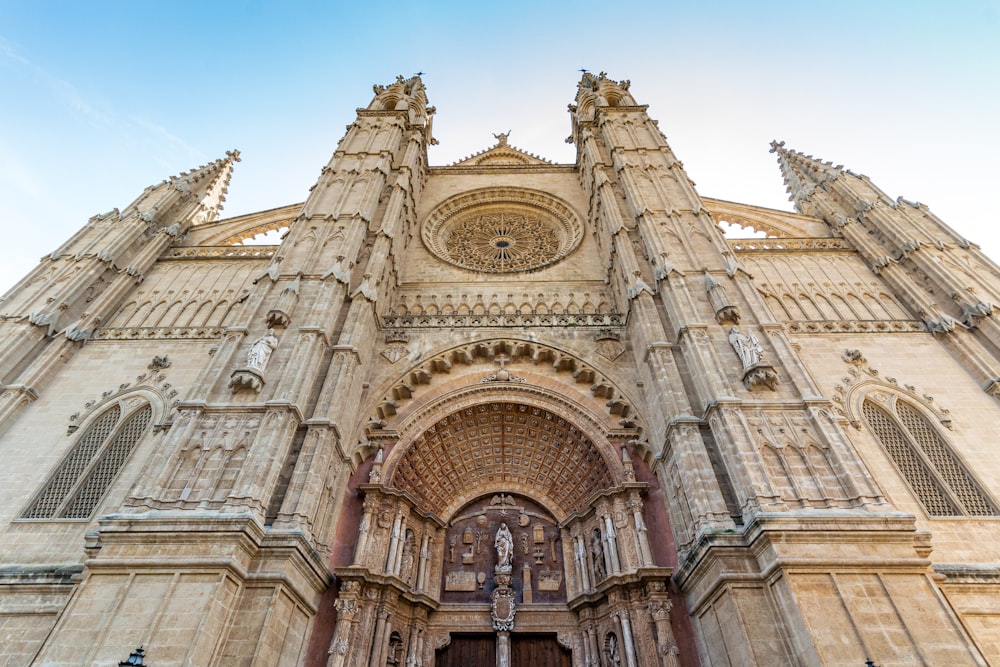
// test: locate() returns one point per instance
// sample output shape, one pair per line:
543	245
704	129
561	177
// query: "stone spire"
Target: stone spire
932	269
205	186
803	173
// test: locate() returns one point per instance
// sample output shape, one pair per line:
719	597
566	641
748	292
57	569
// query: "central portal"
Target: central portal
527	650
471	557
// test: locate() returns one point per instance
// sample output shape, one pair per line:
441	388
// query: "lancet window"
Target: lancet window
84	476
938	478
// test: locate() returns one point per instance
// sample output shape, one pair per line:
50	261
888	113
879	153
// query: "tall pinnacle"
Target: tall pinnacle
803	173
209	183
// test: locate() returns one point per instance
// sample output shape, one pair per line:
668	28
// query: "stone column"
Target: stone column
627	640
666	645
346	611
380	638
615	566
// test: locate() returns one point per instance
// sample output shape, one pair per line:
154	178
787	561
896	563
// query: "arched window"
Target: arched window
939	480
78	484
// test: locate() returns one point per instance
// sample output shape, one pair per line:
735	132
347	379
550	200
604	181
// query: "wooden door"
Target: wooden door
538	650
467	650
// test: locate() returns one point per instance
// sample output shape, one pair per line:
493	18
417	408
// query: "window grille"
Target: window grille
78	484
939	480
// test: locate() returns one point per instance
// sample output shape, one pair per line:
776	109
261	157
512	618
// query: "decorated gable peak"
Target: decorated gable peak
501	154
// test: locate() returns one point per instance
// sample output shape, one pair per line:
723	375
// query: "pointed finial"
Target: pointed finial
776	146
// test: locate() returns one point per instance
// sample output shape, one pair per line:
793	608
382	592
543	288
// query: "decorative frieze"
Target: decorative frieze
512	320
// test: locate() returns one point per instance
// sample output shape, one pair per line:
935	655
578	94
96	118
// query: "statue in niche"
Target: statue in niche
451	548
260	351
747	347
504	544
598	552
406	567
614	658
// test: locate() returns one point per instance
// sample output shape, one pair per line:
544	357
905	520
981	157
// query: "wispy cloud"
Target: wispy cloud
16	173
63	90
71	97
168	137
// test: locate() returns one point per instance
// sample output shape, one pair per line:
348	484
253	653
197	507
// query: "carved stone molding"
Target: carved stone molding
786	244
759	377
862	379
159	333
542	356
246	379
152	386
223	252
499	320
856	326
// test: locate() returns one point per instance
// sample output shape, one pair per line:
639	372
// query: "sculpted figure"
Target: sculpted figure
747	347
260	351
504	544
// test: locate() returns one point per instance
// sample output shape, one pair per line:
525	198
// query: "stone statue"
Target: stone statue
504	544
597	551
614	659
747	347
260	351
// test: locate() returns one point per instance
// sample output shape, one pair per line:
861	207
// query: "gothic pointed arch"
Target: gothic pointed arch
104	445
481	441
533	364
938	478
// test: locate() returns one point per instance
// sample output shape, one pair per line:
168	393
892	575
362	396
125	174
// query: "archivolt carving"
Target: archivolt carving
473	448
863	380
538	354
151	386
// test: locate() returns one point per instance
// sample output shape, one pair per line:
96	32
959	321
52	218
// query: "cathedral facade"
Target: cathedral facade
503	412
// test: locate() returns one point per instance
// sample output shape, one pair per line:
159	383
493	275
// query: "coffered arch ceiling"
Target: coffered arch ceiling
484	441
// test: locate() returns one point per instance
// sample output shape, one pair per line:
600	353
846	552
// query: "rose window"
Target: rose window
502	230
502	242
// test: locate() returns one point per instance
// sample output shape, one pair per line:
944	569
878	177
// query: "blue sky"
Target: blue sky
102	99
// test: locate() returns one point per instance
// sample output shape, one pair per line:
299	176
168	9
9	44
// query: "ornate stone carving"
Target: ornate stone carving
502	230
395	345
755	374
609	344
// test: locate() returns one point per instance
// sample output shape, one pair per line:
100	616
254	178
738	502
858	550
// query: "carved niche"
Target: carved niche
470	557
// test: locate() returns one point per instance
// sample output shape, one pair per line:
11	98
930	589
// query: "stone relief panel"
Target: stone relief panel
802	472
206	468
827	287
186	295
538	574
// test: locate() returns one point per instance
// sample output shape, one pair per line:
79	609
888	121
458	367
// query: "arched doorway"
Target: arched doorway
427	559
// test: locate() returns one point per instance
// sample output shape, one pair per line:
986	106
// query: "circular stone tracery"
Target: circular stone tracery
502	242
502	230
